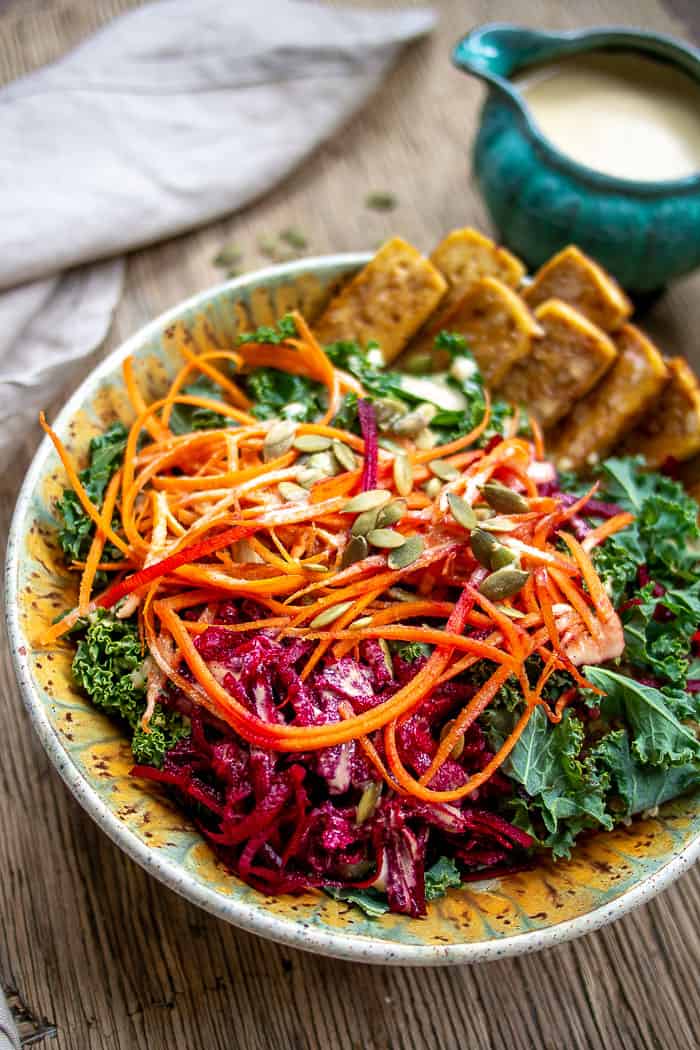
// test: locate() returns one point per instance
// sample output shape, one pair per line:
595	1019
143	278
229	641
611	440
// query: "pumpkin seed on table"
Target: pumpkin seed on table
391	513
503	499
407	553
385	538
329	615
344	454
369	500
291	492
462	512
356	550
279	439
312	443
443	470
504	583
403	474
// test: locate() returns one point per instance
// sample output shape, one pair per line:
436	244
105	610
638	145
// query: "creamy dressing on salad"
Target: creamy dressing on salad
622	114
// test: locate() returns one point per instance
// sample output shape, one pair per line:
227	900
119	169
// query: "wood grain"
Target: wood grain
109	955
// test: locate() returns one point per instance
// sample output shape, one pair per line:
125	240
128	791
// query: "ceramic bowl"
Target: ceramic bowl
607	875
540	200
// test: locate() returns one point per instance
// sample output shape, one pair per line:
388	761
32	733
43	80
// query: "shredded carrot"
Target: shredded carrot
209	515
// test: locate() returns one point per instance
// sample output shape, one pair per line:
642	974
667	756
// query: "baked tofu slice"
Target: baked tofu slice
465	256
562	366
602	418
672	429
577	280
498	326
388	300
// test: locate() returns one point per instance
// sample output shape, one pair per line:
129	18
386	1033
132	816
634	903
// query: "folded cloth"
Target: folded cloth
9	1040
173	114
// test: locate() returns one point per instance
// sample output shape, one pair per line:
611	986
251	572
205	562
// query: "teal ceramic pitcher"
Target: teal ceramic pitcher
645	233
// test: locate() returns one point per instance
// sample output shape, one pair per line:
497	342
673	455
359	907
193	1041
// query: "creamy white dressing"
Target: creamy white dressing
622	114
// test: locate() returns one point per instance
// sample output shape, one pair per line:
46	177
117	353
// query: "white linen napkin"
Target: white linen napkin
171	115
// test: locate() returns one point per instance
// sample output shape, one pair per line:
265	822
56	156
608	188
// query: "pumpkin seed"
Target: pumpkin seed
356	550
308	476
344	455
392	513
314	566
364	522
498	524
369	500
330	614
512	614
368	801
389	446
503	499
484	513
291	492
279	439
398	594
426	439
326	462
388	411
462	511
403	474
459	742
502	556
483	546
407	553
363	621
385	538
503	583
432	488
443	470
312	443
415	421
386	653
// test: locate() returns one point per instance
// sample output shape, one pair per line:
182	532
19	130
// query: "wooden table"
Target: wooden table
108	956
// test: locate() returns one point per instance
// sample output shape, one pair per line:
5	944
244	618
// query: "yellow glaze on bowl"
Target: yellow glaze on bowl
607	874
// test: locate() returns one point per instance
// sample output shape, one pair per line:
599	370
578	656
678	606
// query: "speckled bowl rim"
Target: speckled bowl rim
245	915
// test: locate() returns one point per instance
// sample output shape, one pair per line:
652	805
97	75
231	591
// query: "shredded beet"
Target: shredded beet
286	822
595	508
368	426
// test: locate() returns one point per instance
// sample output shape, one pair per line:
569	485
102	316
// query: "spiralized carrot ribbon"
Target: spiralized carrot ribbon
205	516
97	545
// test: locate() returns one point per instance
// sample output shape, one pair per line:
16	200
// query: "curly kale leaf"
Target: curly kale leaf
105	457
660	618
185	418
276	393
658	736
566	789
440	877
284	329
109	666
637	786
